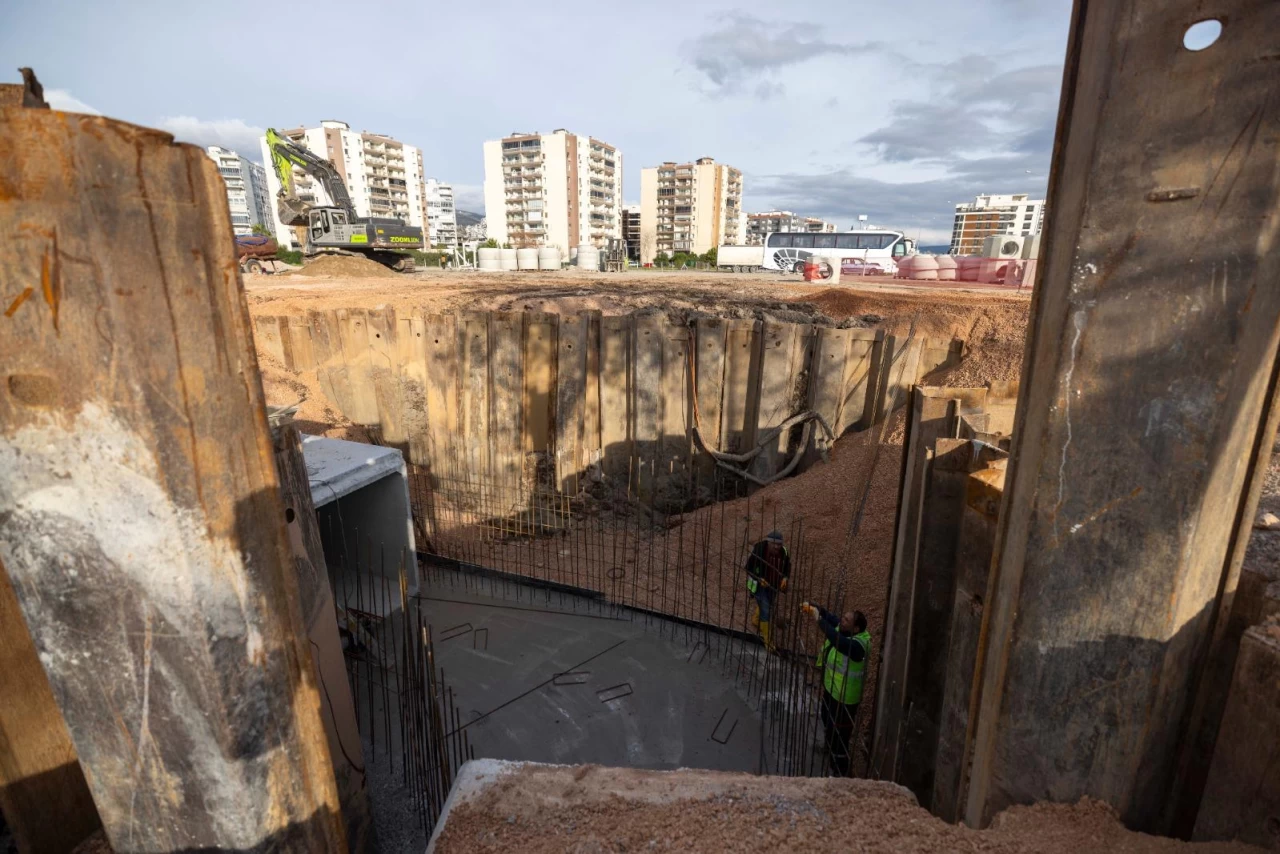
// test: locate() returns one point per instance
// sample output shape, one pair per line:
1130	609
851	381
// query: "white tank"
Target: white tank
588	257
488	258
527	259
508	259
549	258
925	268
947	267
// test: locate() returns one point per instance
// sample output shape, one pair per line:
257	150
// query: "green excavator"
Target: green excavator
336	229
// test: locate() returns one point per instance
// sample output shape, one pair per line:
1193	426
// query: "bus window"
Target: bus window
824	241
899	249
802	241
846	241
779	240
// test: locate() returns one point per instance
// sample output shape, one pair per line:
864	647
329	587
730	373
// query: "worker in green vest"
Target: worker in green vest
843	659
768	568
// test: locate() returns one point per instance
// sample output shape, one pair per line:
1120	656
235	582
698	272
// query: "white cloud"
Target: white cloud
234	134
468	197
61	99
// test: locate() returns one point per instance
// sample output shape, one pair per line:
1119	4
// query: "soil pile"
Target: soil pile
590	809
346	266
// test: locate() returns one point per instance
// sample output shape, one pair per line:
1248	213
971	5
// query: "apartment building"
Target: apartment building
994	214
383	176
631	230
689	207
767	222
247	194
442	217
559	189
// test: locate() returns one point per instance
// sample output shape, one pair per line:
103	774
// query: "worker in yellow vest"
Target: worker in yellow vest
843	659
768	568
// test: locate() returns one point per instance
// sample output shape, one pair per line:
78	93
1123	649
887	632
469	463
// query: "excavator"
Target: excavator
336	229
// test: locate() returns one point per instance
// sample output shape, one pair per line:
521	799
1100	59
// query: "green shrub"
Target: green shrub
289	256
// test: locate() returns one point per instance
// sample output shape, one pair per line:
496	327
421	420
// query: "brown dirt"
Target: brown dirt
539	809
316	415
346	267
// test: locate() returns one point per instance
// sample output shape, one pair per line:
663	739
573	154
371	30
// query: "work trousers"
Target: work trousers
837	721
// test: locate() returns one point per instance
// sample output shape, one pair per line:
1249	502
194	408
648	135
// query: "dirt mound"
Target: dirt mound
346	266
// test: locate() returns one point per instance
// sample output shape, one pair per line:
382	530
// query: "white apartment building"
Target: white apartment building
442	217
558	189
992	214
689	207
766	222
383	176
247	190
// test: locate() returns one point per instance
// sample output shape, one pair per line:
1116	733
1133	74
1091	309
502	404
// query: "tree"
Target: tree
261	231
489	244
662	259
709	257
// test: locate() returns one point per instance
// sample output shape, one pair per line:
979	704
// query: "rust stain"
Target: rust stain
51	279
18	301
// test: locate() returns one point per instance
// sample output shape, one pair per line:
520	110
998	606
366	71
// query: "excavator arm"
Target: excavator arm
286	154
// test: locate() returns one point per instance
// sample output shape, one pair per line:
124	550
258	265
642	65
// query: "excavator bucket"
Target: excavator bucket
292	211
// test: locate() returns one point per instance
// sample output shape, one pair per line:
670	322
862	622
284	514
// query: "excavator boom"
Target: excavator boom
285	154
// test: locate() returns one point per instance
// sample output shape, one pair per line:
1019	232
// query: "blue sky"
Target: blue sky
831	108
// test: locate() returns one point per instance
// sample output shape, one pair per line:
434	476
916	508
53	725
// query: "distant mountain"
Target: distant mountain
933	250
466	218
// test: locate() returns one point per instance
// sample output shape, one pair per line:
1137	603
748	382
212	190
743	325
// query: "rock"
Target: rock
1268	522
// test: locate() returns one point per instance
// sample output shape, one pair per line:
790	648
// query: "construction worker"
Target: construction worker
843	660
768	567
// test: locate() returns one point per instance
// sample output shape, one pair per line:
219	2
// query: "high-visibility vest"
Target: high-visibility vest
753	580
841	675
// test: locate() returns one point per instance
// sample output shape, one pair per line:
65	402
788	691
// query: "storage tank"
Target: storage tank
549	258
924	268
527	259
507	257
588	257
487	258
904	266
947	268
967	268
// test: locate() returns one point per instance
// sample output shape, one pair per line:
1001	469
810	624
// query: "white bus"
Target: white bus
866	248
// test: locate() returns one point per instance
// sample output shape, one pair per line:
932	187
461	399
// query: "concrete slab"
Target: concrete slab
537	680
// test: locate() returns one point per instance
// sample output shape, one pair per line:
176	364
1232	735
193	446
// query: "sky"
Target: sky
831	108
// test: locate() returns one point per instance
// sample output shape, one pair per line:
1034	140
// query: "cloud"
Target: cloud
746	47
234	134
61	99
469	197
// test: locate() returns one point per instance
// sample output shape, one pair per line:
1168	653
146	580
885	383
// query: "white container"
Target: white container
947	267
488	258
588	258
508	259
549	258
924	268
527	259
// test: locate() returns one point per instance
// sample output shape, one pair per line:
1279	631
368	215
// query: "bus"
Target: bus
787	251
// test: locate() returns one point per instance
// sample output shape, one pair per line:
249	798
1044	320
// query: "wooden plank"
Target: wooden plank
315	599
859	380
540	330
571	394
266	335
615	397
646	400
1136	468
299	336
927	422
711	340
506	393
591	416
331	371
357	358
384	374
43	794
777	373
411	356
139	506
440	341
976	543
473	409
676	444
741	386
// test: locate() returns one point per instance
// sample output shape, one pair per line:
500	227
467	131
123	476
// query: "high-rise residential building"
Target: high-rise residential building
442	218
991	214
631	230
558	189
383	176
689	207
247	194
767	222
